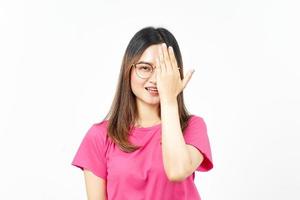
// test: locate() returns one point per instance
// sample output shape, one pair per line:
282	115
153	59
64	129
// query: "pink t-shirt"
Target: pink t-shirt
140	175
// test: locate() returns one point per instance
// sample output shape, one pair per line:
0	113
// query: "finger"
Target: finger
187	78
166	57
158	67
161	60
173	58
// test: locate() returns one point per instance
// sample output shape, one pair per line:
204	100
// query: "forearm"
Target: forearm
174	151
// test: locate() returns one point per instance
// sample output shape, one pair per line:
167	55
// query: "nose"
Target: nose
152	78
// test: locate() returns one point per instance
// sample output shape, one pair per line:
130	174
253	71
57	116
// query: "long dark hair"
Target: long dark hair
123	111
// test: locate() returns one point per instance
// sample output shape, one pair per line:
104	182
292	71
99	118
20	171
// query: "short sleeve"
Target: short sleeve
91	153
196	134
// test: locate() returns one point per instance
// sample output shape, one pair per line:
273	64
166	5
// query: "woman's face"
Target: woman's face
138	84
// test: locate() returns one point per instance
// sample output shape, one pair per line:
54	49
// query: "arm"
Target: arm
95	186
180	160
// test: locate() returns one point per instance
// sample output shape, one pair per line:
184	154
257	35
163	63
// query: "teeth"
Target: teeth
151	89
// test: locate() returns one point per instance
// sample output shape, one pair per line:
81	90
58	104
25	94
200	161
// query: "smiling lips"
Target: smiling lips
152	90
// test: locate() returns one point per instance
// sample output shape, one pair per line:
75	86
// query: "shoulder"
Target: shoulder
100	126
98	131
193	118
195	122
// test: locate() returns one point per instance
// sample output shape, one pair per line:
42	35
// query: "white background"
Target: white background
60	62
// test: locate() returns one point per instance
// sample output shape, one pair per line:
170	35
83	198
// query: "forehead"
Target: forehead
150	54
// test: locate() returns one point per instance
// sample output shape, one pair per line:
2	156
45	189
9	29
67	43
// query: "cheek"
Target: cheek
137	84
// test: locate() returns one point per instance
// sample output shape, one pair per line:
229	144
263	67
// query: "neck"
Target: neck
148	114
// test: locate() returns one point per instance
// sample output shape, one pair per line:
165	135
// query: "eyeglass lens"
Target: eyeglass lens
144	70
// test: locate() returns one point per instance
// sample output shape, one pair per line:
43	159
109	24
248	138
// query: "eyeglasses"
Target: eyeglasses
143	69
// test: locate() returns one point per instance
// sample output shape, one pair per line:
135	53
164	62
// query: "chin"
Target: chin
154	103
153	100
150	100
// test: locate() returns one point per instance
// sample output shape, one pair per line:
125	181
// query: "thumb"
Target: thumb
187	77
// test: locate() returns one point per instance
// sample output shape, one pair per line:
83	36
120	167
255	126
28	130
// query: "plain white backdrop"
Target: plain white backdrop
59	65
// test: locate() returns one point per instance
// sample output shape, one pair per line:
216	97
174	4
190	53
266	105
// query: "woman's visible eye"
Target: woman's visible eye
145	68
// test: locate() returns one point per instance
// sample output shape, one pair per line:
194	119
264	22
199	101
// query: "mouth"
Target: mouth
152	90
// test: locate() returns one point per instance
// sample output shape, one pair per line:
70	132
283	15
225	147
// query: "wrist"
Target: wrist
168	101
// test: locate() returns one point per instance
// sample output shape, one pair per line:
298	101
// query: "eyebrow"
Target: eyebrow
144	62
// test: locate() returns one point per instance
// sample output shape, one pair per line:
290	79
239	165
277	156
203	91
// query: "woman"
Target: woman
148	146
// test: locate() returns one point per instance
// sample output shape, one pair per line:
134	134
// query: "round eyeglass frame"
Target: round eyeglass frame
153	68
